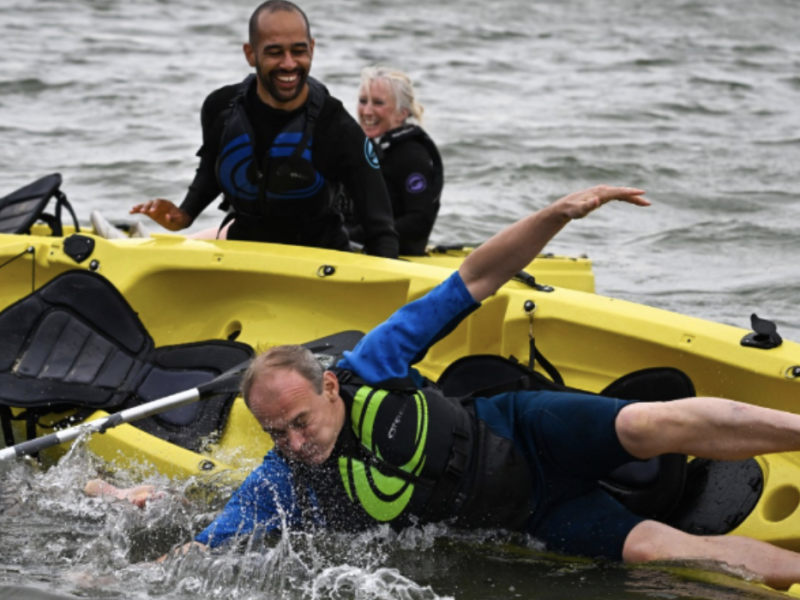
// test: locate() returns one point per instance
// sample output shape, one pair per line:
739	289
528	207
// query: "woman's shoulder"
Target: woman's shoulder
409	138
402	147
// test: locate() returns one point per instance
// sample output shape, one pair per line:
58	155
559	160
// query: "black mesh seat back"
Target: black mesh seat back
651	488
658	384
330	349
21	209
186	366
471	375
176	368
75	341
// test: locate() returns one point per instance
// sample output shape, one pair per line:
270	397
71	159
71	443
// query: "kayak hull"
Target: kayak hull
263	295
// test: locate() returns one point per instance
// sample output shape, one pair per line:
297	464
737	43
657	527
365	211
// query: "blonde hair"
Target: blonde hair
401	86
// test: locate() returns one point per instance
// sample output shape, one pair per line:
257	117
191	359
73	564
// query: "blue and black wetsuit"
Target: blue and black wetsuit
280	170
527	460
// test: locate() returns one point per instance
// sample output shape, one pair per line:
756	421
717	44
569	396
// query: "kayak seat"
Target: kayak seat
651	488
22	208
329	350
76	345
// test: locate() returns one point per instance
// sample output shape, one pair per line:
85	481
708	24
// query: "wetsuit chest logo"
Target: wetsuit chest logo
416	183
371	155
395	423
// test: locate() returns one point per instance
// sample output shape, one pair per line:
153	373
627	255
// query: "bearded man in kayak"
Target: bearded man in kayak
367	442
277	146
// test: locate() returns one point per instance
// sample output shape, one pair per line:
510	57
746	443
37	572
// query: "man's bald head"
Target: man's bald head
272	6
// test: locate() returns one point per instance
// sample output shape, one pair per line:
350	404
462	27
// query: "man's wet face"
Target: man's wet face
303	424
282	57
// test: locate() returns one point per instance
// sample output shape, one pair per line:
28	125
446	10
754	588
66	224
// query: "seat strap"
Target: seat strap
61	200
536	355
30	430
54	221
5	423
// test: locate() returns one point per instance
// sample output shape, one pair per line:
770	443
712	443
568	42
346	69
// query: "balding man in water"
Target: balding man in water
368	442
277	146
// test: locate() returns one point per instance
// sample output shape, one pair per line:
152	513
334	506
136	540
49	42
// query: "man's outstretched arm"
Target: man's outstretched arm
505	253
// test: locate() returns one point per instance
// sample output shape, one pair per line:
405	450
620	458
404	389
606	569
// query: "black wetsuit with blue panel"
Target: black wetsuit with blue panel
280	170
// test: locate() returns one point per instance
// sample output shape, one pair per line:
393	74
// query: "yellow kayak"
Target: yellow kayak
186	290
570	272
573	272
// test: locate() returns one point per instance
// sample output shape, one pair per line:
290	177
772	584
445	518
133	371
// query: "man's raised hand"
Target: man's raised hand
579	204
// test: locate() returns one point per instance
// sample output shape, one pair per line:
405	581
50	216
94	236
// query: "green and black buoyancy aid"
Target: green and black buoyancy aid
415	456
285	187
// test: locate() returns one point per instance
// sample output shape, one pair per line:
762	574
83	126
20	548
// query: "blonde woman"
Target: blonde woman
390	115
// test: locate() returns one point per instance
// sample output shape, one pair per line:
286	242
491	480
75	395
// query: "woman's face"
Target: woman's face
377	109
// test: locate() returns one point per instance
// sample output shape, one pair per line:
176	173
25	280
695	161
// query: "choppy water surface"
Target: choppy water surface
57	543
696	101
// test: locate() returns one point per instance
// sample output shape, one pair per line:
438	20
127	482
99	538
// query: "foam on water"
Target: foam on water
87	545
54	541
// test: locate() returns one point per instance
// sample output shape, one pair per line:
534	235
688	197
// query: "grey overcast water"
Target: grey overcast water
697	101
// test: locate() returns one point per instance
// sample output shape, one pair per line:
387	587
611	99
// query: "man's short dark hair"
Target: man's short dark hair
272	6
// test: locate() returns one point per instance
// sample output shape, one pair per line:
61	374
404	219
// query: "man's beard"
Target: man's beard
268	83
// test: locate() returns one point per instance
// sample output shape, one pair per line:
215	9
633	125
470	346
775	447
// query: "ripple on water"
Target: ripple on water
729	85
705	235
32	86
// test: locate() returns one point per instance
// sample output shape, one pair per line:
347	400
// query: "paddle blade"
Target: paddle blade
228	382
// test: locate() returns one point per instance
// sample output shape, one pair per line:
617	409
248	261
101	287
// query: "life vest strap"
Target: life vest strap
449	494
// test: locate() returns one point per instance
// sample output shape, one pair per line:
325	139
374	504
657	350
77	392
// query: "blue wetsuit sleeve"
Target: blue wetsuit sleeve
265	502
389	350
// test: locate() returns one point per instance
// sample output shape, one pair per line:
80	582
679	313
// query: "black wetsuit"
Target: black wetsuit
414	176
340	155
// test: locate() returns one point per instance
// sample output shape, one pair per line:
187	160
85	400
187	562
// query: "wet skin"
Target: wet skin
303	423
377	109
282	59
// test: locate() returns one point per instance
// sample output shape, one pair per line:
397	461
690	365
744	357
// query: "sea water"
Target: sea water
696	101
55	542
